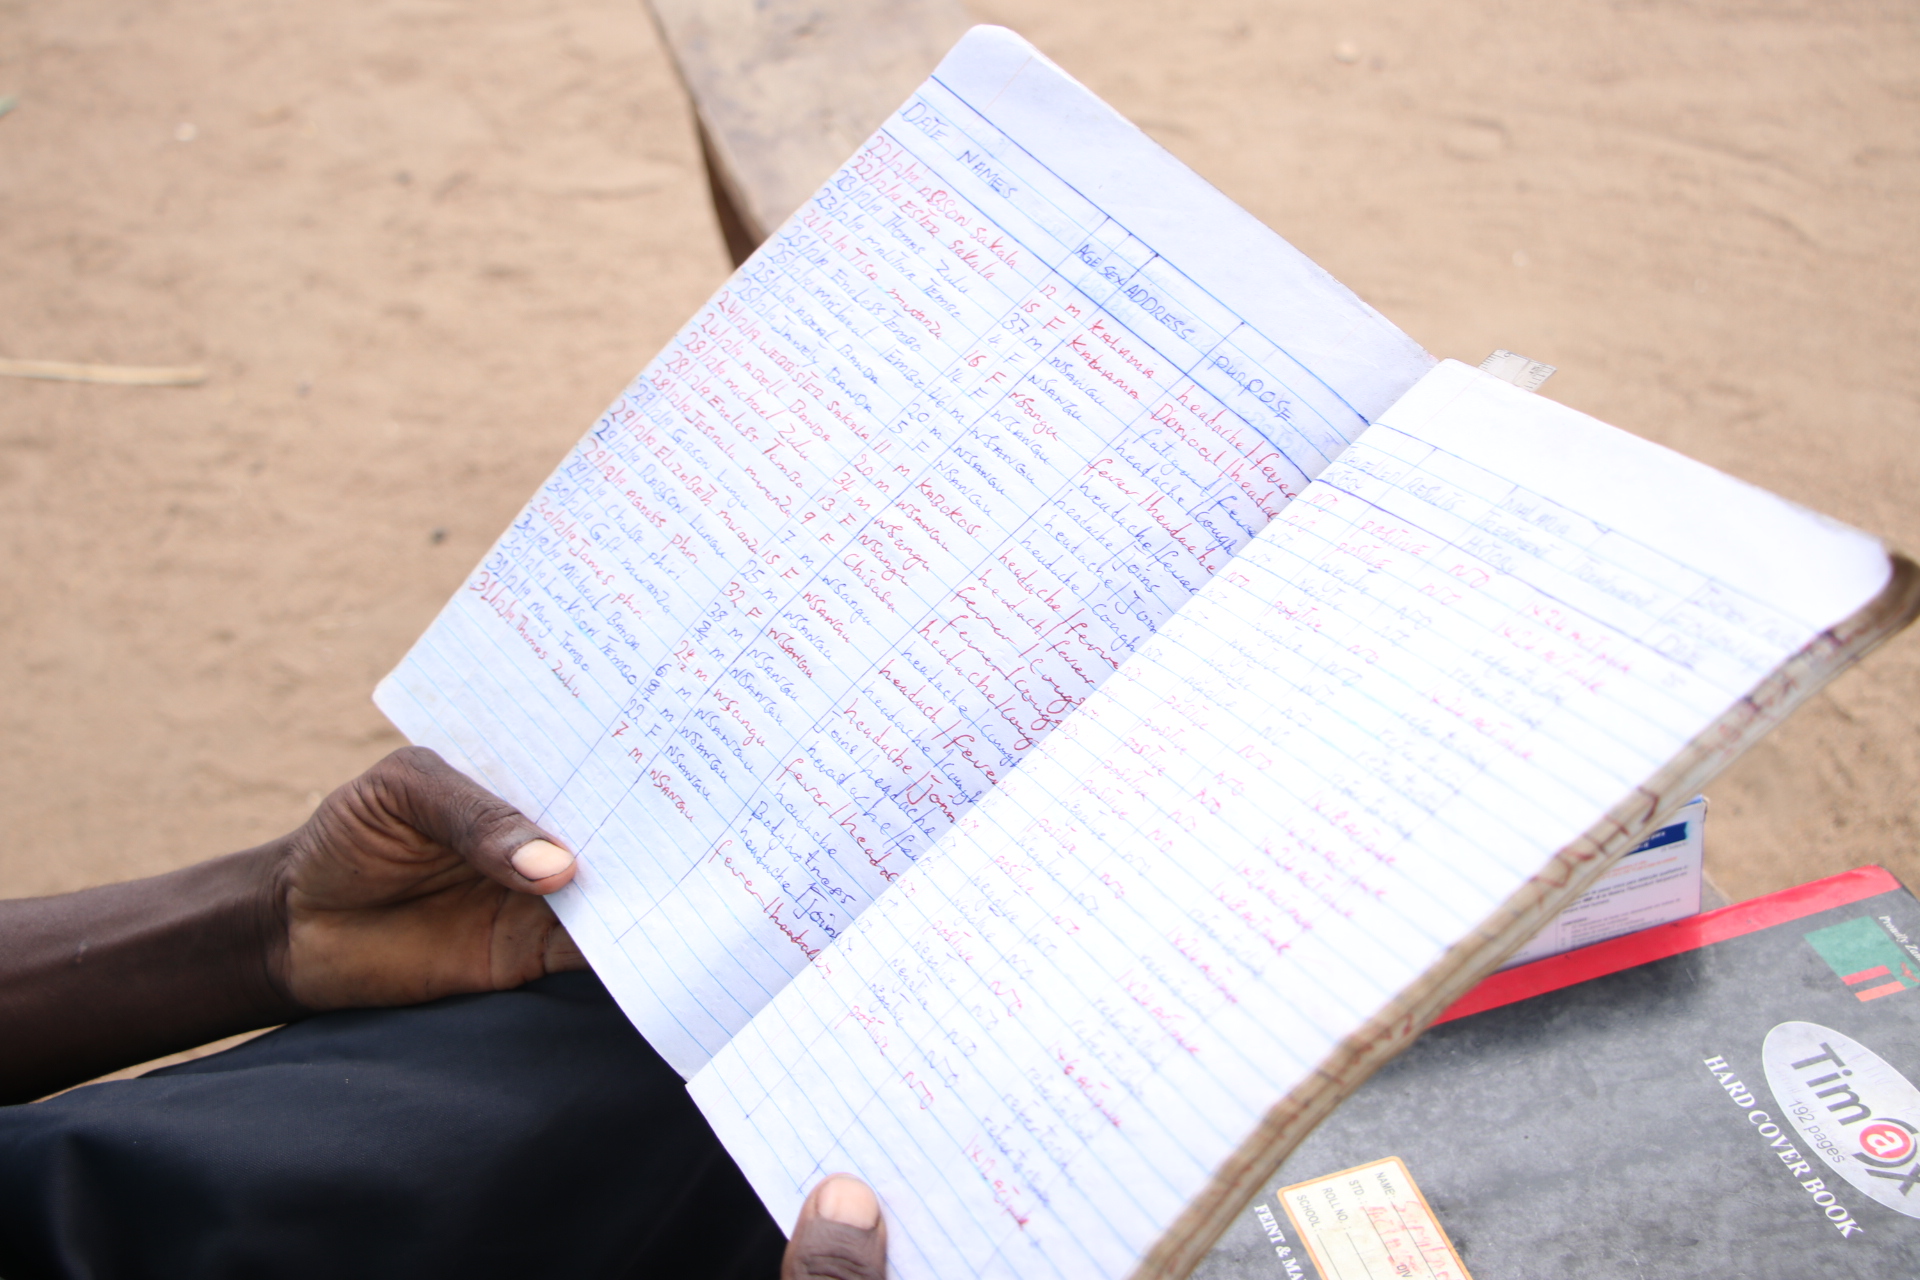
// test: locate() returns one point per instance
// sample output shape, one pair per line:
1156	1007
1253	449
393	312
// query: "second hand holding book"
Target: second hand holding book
1050	690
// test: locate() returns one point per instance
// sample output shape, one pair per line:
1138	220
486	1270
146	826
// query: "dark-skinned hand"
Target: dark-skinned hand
841	1234
409	883
412	882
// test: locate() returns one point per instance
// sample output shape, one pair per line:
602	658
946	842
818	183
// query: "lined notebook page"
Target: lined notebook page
1482	626
949	447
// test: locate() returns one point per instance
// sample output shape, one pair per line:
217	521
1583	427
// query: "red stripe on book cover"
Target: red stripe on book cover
1665	940
1878	971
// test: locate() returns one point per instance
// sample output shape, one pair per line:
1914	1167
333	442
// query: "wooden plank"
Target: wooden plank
785	90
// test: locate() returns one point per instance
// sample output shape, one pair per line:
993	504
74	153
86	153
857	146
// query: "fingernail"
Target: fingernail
538	859
849	1202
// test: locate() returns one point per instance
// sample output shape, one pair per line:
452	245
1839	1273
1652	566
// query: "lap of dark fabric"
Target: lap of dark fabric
527	1133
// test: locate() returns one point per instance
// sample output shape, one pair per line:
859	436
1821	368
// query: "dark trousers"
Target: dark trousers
524	1134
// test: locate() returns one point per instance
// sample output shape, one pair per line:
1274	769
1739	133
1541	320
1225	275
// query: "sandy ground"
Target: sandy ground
419	244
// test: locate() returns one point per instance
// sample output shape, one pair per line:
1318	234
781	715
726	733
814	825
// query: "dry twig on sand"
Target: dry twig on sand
122	375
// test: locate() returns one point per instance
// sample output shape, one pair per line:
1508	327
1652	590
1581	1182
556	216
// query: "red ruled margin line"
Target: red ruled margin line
1671	939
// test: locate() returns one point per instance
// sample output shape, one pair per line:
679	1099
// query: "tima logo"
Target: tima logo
1865	957
1854	1111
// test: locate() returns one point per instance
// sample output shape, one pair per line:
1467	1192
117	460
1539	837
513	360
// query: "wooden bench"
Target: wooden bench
785	90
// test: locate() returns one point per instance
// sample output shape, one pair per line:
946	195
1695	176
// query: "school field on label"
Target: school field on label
394	258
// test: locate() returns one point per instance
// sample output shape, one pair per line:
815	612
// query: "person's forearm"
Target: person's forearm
108	977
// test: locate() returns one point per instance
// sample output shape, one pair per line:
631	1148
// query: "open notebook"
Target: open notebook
1050	690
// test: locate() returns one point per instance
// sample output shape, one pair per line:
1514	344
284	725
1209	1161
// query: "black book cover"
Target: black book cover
1725	1096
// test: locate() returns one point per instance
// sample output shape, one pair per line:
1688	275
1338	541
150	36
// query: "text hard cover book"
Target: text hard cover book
1728	1095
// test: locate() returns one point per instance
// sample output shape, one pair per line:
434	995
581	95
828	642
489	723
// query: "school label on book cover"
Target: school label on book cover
1371	1223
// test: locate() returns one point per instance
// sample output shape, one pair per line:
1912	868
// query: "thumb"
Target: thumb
840	1234
447	806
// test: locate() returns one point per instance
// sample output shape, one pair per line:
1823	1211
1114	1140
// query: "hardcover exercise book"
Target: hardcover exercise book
1050	690
1729	1095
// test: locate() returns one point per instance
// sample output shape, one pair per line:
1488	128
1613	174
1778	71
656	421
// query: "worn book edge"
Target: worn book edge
1570	873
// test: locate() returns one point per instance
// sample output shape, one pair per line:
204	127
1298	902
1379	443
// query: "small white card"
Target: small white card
1656	883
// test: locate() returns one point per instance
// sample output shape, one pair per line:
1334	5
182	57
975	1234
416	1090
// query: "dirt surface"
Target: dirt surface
420	244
